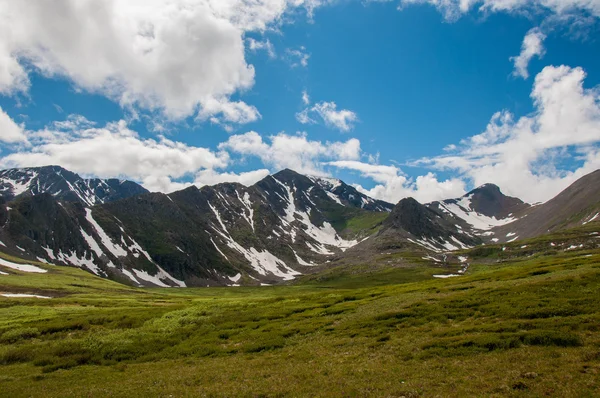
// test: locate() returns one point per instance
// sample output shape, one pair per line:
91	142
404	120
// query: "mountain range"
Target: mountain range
283	226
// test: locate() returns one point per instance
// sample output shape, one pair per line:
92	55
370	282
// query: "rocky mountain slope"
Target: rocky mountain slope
481	209
484	215
283	226
219	235
578	204
64	185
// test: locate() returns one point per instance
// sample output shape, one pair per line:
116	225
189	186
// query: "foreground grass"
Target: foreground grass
525	327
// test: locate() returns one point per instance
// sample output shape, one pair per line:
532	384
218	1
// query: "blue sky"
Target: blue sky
399	99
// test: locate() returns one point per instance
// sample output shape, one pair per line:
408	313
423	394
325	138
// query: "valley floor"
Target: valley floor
526	326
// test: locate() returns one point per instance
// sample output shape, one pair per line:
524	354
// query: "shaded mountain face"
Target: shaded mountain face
271	232
491	202
225	234
346	194
578	204
64	185
481	209
426	227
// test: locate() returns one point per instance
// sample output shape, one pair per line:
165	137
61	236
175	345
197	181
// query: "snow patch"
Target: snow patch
14	295
334	198
107	242
299	260
22	267
462	209
248	205
592	219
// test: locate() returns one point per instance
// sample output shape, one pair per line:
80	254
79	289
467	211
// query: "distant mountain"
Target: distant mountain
426	227
577	205
348	195
283	226
481	209
64	185
217	235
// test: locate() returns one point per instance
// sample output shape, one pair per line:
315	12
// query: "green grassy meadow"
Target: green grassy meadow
518	323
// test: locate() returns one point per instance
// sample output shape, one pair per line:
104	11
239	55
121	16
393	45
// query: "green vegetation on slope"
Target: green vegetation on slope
511	327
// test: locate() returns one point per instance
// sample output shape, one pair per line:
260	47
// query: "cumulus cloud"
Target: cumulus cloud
178	57
212	177
296	152
392	185
342	119
10	132
533	45
523	156
162	164
115	150
453	9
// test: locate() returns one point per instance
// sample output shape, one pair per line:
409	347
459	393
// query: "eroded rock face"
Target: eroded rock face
217	235
65	185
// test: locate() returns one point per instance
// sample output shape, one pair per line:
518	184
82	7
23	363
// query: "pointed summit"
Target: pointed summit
489	200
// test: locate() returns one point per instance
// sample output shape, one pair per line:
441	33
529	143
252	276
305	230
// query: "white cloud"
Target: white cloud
177	57
114	151
266	45
296	152
453	9
392	185
10	132
305	98
533	45
298	57
523	156
212	177
342	119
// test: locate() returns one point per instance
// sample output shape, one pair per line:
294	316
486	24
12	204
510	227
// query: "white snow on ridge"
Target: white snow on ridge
329	184
22	267
334	197
445	276
20	186
143	275
92	244
462	209
107	242
299	259
218	215
130	276
219	250
248	205
136	249
235	278
318	248
83	262
325	235
263	262
158	278
592	218
49	252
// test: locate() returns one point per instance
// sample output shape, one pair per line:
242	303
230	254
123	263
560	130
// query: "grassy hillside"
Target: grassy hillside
516	324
